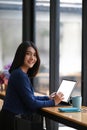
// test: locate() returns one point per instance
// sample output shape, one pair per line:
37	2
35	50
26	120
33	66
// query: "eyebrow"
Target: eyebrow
31	52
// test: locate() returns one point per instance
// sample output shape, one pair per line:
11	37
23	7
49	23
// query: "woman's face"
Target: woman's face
30	58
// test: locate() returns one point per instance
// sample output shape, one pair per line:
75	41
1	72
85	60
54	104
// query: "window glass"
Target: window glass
70	41
42	41
10	30
70	44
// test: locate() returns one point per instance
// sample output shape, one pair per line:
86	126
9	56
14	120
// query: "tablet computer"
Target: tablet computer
66	87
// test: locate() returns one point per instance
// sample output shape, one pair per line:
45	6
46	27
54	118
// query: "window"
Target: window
70	42
42	41
10	30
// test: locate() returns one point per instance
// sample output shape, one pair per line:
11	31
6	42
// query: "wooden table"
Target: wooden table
77	120
2	94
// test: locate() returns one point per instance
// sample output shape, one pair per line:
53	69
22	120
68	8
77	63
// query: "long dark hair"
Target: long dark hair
20	55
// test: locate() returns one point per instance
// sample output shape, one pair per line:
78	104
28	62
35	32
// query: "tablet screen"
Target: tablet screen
66	88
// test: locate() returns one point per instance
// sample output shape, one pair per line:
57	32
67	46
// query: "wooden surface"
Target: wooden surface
2	94
74	119
1	103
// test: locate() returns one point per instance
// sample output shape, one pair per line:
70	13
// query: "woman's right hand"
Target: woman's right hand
58	98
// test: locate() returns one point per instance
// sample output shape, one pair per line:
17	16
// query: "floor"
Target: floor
63	127
66	128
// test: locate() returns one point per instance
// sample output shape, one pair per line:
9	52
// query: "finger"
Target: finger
61	94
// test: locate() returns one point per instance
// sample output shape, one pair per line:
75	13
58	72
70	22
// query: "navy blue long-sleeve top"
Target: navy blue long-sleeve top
20	98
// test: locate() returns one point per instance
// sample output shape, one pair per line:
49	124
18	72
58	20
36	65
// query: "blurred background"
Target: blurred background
70	39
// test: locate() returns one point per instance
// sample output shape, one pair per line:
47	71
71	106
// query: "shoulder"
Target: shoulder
18	73
19	77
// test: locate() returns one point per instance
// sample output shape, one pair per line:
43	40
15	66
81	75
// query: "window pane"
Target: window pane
70	41
10	30
42	41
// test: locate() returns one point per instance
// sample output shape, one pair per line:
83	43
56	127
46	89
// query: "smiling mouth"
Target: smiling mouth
31	63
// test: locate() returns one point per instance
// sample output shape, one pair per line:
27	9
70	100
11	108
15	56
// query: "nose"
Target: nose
32	57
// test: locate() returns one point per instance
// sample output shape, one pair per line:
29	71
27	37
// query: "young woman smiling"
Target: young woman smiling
20	98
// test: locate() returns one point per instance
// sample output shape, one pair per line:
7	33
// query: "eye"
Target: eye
35	55
28	53
31	54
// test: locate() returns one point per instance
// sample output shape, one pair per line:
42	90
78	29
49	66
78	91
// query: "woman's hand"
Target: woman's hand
58	97
52	95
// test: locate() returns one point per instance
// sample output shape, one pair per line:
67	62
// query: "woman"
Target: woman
20	98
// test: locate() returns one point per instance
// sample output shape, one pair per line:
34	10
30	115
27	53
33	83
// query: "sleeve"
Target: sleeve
26	94
42	97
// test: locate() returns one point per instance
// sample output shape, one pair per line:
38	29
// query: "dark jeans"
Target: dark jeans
6	120
29	122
